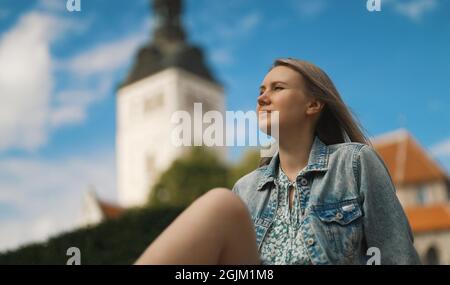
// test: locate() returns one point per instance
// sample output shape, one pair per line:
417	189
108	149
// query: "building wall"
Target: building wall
437	241
143	144
440	241
423	194
91	213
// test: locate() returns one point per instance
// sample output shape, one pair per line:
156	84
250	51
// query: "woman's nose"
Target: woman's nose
263	99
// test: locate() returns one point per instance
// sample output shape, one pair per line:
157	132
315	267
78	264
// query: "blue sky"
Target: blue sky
59	72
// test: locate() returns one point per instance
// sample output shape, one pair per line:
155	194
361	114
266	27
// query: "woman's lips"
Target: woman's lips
264	114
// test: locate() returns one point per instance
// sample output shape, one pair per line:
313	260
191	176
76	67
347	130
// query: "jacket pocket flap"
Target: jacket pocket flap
342	213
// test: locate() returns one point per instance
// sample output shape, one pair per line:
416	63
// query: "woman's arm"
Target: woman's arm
385	224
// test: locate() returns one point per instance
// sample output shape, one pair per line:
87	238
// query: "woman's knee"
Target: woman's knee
223	201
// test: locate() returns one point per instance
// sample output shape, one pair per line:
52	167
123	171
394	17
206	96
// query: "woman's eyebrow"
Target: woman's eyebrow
276	82
272	83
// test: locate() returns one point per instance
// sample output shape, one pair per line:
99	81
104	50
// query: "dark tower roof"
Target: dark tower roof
168	47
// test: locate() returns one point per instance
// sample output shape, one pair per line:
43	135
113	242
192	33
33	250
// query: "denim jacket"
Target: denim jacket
348	205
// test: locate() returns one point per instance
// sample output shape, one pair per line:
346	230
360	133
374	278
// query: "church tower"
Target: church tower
168	75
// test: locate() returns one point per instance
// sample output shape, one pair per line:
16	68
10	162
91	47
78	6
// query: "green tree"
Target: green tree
190	176
122	240
116	241
246	164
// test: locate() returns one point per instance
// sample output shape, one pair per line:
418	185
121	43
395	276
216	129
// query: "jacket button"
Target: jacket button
339	216
310	241
303	182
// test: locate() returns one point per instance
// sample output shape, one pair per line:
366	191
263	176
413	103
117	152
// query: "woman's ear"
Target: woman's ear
314	107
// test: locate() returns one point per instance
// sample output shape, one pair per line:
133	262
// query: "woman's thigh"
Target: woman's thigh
215	229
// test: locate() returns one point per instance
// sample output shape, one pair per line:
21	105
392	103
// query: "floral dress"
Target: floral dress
283	243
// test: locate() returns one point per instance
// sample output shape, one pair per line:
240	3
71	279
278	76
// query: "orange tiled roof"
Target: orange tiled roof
109	210
429	218
406	160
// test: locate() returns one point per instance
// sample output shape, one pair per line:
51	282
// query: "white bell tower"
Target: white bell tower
168	75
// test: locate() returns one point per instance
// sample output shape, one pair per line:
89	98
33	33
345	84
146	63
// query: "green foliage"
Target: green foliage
247	164
188	178
122	240
118	241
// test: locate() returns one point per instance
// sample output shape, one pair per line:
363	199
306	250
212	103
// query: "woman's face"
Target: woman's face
283	90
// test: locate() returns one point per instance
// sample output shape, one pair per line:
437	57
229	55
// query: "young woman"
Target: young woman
324	197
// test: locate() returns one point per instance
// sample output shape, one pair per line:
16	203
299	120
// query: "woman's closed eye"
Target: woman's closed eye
278	88
275	88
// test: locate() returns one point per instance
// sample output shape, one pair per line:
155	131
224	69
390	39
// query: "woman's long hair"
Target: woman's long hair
336	123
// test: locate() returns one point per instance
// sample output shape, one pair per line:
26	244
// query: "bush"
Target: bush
122	240
189	176
118	241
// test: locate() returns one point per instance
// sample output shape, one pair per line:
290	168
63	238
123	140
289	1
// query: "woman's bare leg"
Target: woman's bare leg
215	229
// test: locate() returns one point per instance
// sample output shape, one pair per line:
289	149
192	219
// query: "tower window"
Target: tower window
431	256
422	197
153	103
151	167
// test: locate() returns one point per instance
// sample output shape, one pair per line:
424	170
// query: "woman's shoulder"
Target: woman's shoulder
348	149
355	155
347	146
357	150
251	180
351	154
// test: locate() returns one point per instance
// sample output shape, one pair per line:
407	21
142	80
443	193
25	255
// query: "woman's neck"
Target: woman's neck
294	153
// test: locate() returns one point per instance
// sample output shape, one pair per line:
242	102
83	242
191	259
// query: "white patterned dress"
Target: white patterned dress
283	243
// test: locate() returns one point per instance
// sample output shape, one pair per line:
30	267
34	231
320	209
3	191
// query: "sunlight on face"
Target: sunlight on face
282	90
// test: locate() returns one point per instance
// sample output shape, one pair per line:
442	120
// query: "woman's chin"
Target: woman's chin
264	124
266	129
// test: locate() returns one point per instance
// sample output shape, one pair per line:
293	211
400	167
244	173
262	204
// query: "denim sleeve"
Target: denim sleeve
385	223
235	188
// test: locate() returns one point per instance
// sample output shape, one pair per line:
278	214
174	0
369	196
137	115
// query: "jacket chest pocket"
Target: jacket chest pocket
340	225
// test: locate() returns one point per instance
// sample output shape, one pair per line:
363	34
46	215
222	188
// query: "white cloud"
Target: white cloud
441	149
26	79
105	57
72	105
53	5
70	112
101	61
46	195
26	82
227	36
413	9
416	9
238	29
249	22
232	24
435	105
222	56
309	8
3	13
28	113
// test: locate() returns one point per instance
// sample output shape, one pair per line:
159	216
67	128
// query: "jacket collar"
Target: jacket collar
317	161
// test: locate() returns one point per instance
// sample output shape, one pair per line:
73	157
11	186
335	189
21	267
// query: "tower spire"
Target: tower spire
168	26
168	47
